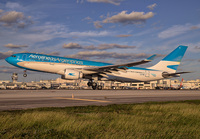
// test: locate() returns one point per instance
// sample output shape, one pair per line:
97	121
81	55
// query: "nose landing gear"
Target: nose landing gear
25	74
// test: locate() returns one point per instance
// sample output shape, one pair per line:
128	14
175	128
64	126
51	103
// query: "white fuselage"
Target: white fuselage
71	68
130	75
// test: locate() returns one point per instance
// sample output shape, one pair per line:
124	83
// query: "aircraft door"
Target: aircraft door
147	73
24	57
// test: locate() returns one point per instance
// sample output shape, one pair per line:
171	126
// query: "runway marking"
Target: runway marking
81	99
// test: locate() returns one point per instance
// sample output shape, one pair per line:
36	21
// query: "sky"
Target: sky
114	31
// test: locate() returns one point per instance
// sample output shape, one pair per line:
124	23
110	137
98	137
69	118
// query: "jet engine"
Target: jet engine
71	74
165	74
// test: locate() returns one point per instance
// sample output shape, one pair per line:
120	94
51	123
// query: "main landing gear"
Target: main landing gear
94	85
25	74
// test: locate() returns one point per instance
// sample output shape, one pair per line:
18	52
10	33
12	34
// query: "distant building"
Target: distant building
82	84
4	81
14	77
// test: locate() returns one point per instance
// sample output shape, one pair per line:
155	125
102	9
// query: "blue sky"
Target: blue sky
116	31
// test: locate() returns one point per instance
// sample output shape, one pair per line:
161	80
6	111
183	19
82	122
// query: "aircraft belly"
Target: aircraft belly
135	76
47	67
128	76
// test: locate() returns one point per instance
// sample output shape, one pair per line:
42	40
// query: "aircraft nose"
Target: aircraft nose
11	60
8	59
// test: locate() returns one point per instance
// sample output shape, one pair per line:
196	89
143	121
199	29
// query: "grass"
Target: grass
148	120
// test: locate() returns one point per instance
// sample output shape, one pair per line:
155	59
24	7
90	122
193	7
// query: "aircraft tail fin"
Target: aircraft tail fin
171	62
181	84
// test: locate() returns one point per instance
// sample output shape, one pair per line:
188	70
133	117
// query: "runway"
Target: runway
25	99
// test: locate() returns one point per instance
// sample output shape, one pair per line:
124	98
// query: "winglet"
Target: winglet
151	58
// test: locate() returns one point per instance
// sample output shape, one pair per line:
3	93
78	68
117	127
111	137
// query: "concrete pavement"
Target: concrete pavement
25	99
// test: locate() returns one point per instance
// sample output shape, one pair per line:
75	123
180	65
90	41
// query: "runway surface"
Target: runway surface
25	99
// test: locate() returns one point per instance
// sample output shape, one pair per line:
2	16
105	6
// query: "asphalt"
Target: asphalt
25	99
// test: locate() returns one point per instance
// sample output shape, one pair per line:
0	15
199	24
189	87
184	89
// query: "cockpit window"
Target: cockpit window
13	55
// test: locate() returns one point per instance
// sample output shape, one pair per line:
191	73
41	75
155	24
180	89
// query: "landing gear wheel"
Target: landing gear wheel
99	87
25	75
113	87
94	87
94	84
89	84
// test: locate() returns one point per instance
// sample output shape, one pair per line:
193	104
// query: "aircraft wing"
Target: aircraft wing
119	67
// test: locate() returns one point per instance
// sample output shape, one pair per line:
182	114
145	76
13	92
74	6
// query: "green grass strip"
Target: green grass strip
147	120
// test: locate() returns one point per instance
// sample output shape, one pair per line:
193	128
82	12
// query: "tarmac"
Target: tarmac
26	99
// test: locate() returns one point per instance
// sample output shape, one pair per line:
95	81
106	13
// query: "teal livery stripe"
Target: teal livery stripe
174	67
32	57
177	54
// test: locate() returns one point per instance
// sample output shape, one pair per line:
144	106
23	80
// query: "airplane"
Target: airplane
176	86
73	69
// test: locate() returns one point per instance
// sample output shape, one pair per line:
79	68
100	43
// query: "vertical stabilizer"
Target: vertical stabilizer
171	62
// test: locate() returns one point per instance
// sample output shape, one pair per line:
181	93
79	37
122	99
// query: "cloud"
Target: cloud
13	46
47	32
115	2
79	1
1	11
12	69
13	5
97	24
88	19
15	19
3	55
112	45
194	27
106	55
99	47
177	30
9	69
90	34
90	47
12	17
152	6
2	66
123	35
132	18
72	46
39	33
197	47
90	54
54	53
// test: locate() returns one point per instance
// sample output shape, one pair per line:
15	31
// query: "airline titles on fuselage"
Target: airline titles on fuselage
54	59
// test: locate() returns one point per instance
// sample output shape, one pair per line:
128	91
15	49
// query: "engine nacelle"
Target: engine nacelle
165	74
71	74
